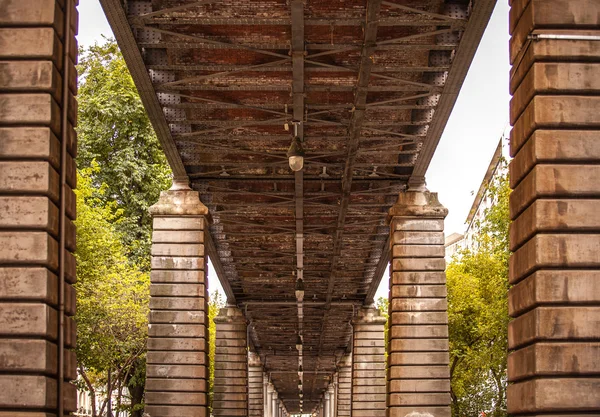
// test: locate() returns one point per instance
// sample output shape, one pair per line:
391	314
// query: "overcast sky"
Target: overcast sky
478	120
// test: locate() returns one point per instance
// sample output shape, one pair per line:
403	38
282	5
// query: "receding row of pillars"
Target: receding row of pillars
553	367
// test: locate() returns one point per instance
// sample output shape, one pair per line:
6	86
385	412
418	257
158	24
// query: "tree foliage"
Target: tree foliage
477	312
114	131
112	297
215	303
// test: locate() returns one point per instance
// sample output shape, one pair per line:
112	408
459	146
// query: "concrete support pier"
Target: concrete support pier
368	364
554	367
255	386
418	374
231	364
38	113
177	359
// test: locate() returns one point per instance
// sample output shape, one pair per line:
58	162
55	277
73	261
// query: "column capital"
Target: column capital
179	200
369	315
254	359
230	314
418	203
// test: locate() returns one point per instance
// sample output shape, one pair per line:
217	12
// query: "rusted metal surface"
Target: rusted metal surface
371	82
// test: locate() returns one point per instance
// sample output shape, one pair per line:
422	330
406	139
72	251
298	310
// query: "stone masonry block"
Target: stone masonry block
172	262
179	223
177	330
29	213
555	359
551	395
559	287
177	290
422	398
417	225
29	284
31	43
39	109
554	323
178	276
30	143
28	247
544	215
417	345
177	358
419	372
177	344
176	384
418	291
417	277
419	385
184	317
178	303
420	358
29	177
546	111
420	331
418	304
555	181
418	251
177	249
180	236
417	238
30	77
177	398
177	371
553	146
418	264
555	251
420	317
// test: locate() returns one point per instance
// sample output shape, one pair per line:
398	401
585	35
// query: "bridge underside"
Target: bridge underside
367	86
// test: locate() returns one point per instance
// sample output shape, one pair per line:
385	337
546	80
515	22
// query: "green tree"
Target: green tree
477	313
215	303
112	299
114	131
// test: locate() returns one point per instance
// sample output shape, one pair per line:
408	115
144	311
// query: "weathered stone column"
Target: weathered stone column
265	395
344	386
255	385
326	404
37	206
177	371
231	364
418	374
554	367
269	403
275	404
368	364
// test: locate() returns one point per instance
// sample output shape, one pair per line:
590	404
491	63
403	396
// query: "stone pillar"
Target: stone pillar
368	364
265	395
275	405
177	358
344	386
331	391
231	364
554	367
418	374
326	404
269	402
37	264
255	385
